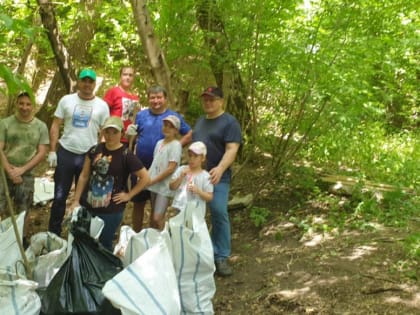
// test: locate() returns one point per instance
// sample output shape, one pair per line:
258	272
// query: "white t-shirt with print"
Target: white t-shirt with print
163	154
83	120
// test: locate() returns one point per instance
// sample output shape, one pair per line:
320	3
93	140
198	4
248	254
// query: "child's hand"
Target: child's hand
192	188
185	172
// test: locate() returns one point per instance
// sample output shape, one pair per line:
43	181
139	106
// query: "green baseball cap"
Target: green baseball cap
87	73
113	122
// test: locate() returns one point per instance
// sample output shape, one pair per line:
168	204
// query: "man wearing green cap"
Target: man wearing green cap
83	115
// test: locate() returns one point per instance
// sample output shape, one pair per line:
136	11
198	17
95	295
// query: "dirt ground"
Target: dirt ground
277	270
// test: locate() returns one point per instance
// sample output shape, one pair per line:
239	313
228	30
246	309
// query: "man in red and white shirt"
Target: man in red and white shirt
121	101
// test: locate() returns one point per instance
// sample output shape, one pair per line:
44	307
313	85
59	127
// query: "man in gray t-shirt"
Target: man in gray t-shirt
221	133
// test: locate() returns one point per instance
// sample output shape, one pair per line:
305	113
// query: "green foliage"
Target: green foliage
12	29
14	82
412	245
259	216
389	159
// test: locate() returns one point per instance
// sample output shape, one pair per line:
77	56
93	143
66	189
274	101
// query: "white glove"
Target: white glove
131	130
52	159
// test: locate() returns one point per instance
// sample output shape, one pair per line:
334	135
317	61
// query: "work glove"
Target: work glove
52	159
131	130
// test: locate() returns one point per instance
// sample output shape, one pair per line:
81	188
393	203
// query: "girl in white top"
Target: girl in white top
166	158
191	182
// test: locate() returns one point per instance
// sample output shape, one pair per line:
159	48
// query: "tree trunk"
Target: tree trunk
151	47
64	80
61	55
210	21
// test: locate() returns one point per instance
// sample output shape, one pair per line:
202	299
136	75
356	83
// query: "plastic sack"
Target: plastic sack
77	286
126	232
46	254
8	242
148	285
17	295
193	260
43	190
136	244
85	221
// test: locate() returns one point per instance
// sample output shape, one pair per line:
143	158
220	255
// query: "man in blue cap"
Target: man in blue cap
83	115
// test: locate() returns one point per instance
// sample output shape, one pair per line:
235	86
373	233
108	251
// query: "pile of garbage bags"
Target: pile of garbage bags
151	272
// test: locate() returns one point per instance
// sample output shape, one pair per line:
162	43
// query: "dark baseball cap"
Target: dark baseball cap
214	91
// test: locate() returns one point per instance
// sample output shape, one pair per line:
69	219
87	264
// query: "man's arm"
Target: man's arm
231	149
81	184
143	180
6	165
38	157
186	139
54	133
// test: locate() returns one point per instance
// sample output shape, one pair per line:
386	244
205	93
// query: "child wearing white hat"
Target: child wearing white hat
191	182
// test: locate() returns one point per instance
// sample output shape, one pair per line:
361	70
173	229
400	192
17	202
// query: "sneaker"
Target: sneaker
223	269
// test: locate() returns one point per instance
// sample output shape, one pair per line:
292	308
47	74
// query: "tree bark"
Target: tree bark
61	54
64	80
151	47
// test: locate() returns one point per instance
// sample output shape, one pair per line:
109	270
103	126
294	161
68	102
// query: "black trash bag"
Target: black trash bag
77	287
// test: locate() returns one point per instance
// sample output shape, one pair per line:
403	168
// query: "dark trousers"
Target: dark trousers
69	167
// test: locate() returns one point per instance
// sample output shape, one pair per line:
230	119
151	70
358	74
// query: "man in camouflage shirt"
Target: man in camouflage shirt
23	145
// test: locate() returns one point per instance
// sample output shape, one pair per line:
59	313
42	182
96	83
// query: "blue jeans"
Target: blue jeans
111	223
220	230
69	166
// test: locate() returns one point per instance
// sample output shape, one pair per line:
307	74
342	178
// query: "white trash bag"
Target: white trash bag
148	285
46	254
136	244
18	295
8	242
126	232
193	260
43	190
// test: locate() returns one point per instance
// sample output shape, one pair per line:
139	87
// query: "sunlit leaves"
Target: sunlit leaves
13	82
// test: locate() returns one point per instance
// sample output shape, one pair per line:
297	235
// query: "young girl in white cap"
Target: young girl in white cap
191	182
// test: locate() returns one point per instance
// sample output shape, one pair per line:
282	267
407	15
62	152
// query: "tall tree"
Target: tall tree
67	59
61	54
151	47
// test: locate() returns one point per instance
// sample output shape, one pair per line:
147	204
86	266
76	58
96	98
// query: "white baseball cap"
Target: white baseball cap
174	121
198	148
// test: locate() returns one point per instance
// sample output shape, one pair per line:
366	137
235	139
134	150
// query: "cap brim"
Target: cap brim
87	76
112	126
195	152
209	94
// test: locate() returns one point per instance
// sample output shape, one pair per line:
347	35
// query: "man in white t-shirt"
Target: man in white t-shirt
83	115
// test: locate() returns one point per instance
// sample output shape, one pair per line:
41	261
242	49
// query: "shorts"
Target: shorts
22	195
142	196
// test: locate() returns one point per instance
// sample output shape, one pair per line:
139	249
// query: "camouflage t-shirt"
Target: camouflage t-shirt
21	139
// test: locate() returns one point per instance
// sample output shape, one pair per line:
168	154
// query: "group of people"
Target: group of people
116	152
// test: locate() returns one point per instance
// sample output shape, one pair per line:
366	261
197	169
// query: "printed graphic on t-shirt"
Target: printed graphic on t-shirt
128	108
100	183
81	116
